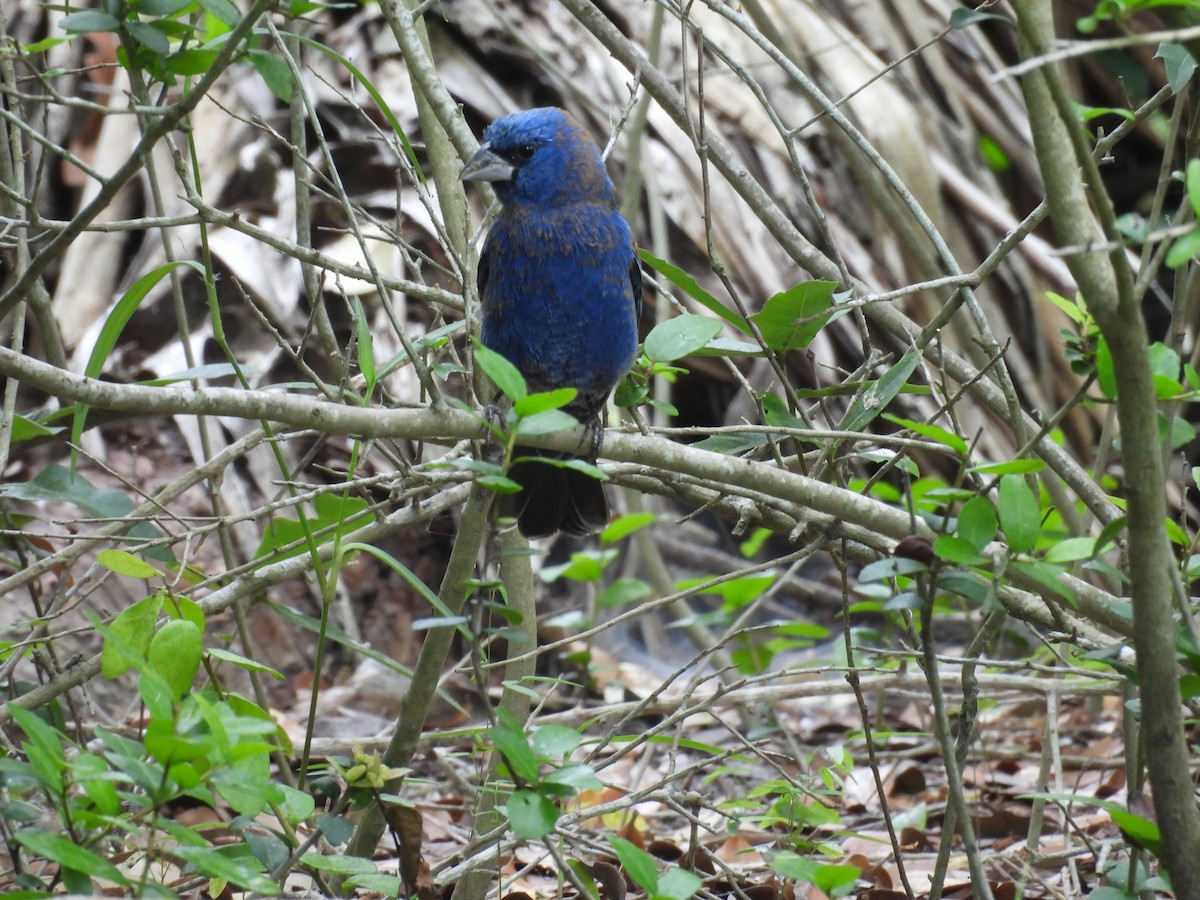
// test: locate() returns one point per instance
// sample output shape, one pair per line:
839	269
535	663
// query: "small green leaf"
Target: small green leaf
1180	64
964	17
977	522
933	432
578	778
212	863
1010	467
547	400
691	287
627	525
150	37
555	741
834	880
793	317
1020	516
249	665
509	738
339	864
1071	549
175	652
365	345
275	72
117	320
502	373
64	851
678	337
622	592
956	550
126	564
130	632
1072	309
1185	247
88	20
871	402
677	884
546	422
531	815
638	864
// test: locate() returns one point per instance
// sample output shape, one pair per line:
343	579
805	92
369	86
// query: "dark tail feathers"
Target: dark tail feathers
553	499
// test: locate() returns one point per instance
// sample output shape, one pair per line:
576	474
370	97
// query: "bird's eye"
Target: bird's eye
525	152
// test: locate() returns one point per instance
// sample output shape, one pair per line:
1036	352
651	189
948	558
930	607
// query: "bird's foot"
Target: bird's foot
596	436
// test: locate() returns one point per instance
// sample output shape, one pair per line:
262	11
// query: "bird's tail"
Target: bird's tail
554	498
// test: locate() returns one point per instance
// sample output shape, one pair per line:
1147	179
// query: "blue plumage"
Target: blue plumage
560	289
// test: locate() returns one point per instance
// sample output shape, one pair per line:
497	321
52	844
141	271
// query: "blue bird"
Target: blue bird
561	293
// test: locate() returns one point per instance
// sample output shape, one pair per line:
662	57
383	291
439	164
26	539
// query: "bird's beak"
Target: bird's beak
487	166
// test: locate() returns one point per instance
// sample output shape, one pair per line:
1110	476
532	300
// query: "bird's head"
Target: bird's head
540	157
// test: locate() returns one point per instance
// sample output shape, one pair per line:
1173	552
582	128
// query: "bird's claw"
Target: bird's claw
596	437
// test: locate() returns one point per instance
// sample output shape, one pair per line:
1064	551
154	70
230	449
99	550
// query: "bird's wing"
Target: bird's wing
484	270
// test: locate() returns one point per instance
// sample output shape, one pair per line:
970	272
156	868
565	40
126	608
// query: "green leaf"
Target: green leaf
1072	309
834	880
332	515
212	862
627	525
637	863
249	665
126	564
275	72
964	17
57	483
677	884
885	569
577	778
509	738
622	592
339	864
502	373
1020	516
956	550
130	633
24	429
1180	64
1009	467
586	565
222	10
366	84
977	522
297	805
1071	549
531	815
933	432
64	851
691	287
678	337
175	652
148	36
546	400
546	422
1184	248
88	20
555	741
115	323
871	402
365	344
793	317
1137	828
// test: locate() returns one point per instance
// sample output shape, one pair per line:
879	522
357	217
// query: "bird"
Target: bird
560	293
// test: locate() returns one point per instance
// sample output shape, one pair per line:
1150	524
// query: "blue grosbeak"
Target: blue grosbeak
561	293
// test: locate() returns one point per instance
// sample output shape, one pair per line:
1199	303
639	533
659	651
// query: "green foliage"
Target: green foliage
674	884
199	748
531	809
